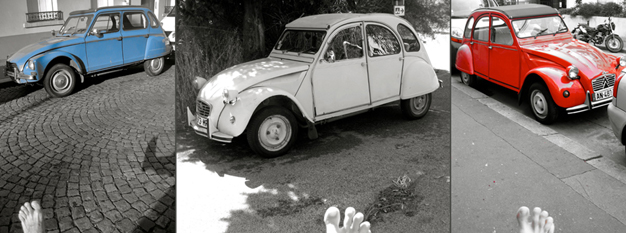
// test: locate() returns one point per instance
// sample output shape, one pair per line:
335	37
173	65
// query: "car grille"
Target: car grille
603	81
10	69
203	109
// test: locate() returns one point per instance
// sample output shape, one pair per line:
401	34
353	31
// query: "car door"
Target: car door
384	62
135	34
480	45
340	79
503	48
104	49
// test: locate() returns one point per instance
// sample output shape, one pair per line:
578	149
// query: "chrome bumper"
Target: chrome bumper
588	105
202	131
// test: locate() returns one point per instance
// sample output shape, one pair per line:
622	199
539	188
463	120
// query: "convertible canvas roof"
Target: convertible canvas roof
104	8
521	11
325	21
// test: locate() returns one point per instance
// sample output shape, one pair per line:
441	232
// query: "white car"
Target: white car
617	109
324	67
168	23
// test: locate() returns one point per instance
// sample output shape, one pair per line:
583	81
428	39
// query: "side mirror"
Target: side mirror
95	32
330	56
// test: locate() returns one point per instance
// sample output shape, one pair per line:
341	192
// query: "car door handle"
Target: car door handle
490	47
471	42
146	35
363	64
119	38
400	58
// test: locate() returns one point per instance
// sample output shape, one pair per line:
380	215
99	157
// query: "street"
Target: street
226	188
99	160
503	159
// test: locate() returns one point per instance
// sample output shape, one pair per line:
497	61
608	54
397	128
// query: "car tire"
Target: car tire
154	67
468	79
614	43
416	107
60	81
542	105
272	132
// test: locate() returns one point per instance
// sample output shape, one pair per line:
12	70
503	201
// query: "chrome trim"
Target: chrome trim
588	105
599	82
203	109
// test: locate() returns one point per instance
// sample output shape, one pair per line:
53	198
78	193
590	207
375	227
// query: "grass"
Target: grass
400	196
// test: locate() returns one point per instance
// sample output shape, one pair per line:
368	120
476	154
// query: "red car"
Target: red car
529	49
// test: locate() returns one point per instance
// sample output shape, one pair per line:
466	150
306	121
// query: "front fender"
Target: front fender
464	60
557	82
247	103
46	60
418	78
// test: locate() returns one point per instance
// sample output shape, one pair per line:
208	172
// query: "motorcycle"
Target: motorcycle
602	34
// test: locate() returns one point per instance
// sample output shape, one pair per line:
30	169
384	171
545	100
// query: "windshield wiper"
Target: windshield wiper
539	33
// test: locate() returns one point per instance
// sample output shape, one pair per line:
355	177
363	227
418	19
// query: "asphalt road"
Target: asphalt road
99	160
226	188
591	129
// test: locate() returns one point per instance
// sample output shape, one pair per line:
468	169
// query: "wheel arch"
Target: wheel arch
464	60
70	60
418	78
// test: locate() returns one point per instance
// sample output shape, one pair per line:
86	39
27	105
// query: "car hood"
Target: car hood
587	58
22	55
243	76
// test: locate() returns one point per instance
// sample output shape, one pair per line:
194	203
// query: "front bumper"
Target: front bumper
11	71
617	117
210	131
588	105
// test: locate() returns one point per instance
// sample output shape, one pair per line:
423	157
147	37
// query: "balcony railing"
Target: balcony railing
44	16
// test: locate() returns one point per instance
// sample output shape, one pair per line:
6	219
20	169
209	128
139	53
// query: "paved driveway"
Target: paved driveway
100	160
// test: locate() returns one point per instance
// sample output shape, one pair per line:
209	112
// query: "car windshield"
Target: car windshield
534	27
301	41
76	25
462	8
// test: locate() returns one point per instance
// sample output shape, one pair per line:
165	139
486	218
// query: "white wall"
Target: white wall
620	23
13	16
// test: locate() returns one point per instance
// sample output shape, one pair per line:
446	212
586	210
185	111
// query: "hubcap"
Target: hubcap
156	64
539	103
465	77
613	43
274	133
61	80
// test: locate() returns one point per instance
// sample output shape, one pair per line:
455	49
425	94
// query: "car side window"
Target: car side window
500	33
481	29
410	41
468	28
134	20
381	41
154	22
107	23
347	44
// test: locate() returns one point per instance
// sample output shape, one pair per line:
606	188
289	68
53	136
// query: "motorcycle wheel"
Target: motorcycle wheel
614	43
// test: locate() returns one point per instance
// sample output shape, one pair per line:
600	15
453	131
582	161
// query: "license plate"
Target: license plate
202	121
604	93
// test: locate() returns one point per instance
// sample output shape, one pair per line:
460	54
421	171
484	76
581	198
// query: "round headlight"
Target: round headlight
622	61
31	64
572	72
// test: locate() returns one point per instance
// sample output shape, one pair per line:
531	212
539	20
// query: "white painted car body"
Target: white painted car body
617	110
310	86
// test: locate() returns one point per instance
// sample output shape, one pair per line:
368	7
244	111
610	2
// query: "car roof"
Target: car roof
107	8
521	11
325	21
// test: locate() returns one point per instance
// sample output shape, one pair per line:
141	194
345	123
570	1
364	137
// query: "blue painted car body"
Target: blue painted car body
87	52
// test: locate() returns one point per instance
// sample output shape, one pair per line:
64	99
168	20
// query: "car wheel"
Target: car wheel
544	108
416	107
60	80
468	79
154	67
272	132
614	43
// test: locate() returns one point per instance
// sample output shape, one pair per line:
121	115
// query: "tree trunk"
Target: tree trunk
253	29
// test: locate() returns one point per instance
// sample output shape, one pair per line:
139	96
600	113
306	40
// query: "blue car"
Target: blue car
90	42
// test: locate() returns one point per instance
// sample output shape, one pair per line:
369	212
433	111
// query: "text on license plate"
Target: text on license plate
202	121
604	93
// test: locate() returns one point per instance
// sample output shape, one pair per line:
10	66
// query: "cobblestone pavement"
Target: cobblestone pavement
99	160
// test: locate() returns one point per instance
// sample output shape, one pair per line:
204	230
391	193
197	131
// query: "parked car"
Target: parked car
617	109
459	12
90	42
169	26
528	49
323	67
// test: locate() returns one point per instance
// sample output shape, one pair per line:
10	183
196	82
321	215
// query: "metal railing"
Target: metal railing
44	16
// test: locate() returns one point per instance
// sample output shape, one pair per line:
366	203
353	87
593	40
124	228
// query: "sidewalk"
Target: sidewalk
498	166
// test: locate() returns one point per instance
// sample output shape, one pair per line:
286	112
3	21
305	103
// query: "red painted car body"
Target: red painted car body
528	49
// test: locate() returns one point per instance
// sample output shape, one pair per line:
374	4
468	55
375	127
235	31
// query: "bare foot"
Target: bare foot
352	223
538	223
31	217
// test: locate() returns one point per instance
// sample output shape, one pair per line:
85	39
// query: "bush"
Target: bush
588	10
